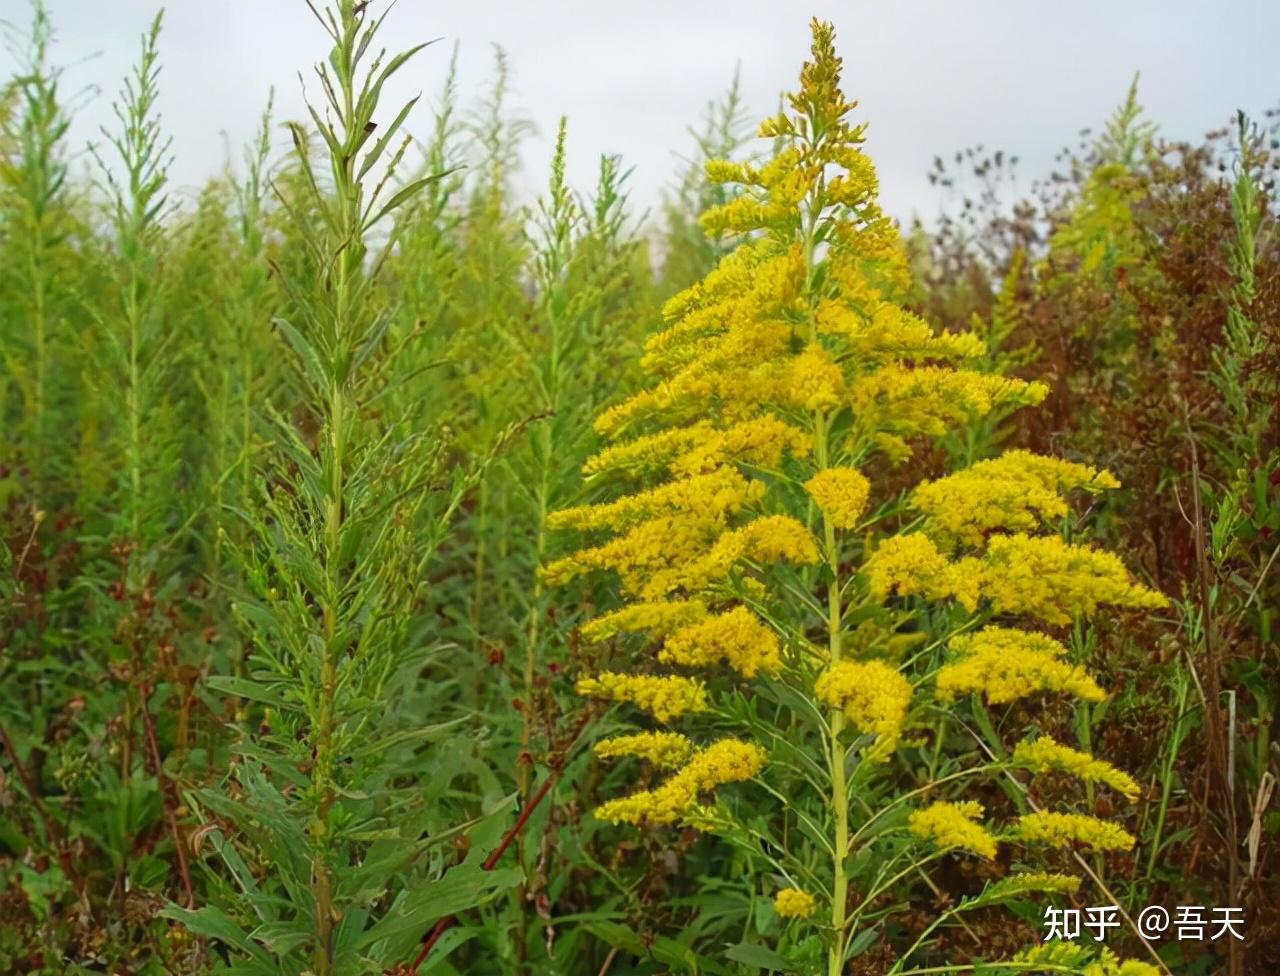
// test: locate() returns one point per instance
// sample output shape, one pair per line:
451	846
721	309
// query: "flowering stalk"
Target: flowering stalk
780	376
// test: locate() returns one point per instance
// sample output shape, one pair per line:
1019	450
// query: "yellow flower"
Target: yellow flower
907	401
666	750
783	351
841	494
1040	576
664	697
1070	957
793	903
724	171
1005	664
656	618
1067	829
907	565
650	559
770	539
761	441
873	696
737	638
641	455
1056	581
1045	754
953	825
813	381
725	761
1108	964
1031	882
740	215
715	495
1016	491
890	332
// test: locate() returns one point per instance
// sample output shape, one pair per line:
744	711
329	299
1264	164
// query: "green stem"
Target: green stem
836	723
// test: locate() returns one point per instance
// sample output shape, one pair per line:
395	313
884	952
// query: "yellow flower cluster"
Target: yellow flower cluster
769	539
953	825
1038	576
1109	964
793	903
715	495
1044	754
1032	882
663	696
896	401
1070	957
889	332
760	442
737	638
666	750
645	455
725	761
689	551
656	618
1054	581
910	565
1068	829
700	447
1016	491
840	494
873	696
812	381
1005	664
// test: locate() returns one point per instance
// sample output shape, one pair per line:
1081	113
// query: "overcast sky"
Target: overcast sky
932	76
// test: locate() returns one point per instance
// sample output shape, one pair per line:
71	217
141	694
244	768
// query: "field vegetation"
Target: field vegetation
399	576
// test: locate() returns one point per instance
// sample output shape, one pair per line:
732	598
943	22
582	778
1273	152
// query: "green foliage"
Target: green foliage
688	251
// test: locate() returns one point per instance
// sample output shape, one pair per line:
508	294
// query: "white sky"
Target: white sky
933	76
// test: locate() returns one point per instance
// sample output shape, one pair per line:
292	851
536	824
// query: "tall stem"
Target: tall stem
346	268
836	721
40	327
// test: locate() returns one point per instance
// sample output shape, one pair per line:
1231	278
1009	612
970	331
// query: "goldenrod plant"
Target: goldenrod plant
817	639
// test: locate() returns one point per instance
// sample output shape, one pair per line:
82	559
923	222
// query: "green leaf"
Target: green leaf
245	688
761	957
214	923
462	888
282	937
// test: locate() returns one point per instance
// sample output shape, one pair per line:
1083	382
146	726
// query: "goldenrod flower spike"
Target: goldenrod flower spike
725	761
950	825
737	638
1004	664
665	750
1018	491
873	696
663	697
1071	829
793	903
1044	755
841	495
